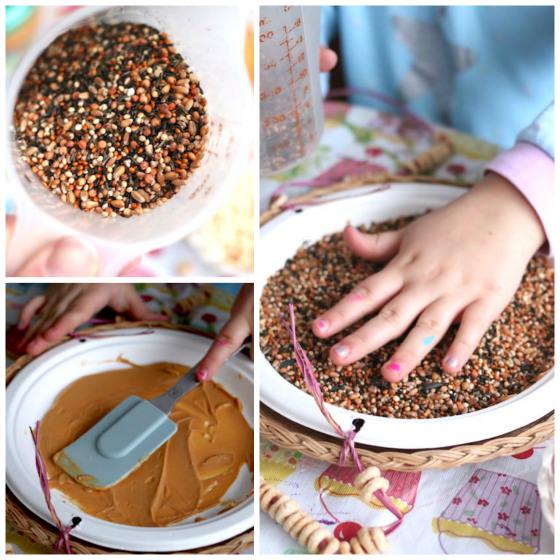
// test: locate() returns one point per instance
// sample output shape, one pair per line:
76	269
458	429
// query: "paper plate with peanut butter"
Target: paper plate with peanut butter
194	491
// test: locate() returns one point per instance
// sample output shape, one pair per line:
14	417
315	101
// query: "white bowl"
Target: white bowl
279	241
33	391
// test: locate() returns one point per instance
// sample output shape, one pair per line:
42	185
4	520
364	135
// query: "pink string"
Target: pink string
399	105
63	541
292	205
388	529
348	444
78	334
329	512
312	184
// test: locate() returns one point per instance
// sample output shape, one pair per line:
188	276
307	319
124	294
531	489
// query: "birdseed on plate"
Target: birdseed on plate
516	350
111	119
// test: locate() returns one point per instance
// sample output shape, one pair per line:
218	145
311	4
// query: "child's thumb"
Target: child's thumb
65	257
373	246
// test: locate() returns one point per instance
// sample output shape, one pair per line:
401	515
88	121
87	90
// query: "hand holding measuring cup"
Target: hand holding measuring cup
64	257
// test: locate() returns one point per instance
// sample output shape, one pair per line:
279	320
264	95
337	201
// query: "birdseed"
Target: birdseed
111	119
516	350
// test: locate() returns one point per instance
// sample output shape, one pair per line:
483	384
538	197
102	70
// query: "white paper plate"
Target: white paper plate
282	237
33	391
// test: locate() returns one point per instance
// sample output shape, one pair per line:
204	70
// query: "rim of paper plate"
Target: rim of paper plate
32	392
279	240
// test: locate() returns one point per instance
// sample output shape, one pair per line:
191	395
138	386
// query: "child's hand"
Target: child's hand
232	334
462	261
66	306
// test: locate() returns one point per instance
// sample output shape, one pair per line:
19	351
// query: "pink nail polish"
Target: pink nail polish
321	325
393	366
202	374
341	350
452	362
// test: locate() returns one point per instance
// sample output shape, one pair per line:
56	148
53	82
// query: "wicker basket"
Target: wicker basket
41	532
289	435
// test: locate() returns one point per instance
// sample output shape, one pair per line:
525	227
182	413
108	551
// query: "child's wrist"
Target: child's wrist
507	204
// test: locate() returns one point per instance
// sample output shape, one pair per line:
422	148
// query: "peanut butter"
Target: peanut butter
188	474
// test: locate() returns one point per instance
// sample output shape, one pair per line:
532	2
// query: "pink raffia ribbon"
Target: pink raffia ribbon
78	334
348	444
420	123
63	541
288	205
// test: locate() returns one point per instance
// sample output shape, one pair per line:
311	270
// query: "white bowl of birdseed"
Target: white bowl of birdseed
389	422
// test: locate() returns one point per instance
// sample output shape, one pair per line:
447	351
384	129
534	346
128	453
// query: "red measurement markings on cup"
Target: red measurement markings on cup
288	108
291	42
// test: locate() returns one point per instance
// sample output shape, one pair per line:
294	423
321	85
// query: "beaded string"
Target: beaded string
309	533
63	541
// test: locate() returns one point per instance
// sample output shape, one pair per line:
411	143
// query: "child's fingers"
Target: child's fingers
79	312
373	246
29	309
36	346
430	327
392	321
365	298
231	337
48	314
476	320
138	309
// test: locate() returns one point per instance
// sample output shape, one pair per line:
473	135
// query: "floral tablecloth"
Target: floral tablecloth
487	508
205	307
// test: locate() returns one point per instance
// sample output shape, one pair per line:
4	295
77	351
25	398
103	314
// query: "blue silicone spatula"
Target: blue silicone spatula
124	438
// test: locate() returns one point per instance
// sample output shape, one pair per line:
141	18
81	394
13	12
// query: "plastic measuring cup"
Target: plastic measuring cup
291	108
210	39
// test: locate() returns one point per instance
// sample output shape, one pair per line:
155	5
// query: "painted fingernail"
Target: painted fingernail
322	325
394	366
341	350
428	340
202	374
222	341
452	362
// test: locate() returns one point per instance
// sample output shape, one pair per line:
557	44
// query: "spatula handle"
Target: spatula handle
167	400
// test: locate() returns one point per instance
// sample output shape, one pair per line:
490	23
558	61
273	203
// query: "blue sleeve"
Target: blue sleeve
328	32
541	132
328	24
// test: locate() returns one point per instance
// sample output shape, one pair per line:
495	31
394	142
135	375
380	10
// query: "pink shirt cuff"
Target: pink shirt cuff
532	171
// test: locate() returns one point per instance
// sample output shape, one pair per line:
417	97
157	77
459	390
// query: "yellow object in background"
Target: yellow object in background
227	239
250	52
